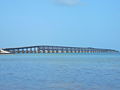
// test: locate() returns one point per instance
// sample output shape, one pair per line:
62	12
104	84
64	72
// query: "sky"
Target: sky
80	23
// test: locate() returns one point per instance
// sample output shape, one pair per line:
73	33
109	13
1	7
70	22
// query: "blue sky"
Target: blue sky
85	23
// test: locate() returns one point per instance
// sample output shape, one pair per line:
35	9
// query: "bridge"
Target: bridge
56	49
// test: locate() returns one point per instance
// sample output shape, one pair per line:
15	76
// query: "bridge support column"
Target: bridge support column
31	50
38	50
23	51
27	50
43	51
18	51
35	50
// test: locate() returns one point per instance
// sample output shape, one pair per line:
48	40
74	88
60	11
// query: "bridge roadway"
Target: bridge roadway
57	49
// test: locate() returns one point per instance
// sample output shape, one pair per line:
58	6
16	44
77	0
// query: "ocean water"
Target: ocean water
59	72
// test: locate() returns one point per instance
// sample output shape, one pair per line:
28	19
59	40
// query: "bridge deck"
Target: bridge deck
57	49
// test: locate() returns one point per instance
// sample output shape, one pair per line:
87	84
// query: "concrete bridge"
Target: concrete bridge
57	49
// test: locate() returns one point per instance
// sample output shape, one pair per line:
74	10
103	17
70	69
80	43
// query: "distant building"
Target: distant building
4	52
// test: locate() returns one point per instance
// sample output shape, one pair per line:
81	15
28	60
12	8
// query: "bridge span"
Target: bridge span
57	49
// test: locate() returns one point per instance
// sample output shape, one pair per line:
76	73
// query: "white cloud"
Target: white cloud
68	2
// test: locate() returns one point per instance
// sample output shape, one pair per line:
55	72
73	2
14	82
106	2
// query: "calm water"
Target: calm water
60	72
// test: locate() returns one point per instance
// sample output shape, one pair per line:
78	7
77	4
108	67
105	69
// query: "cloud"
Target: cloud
68	2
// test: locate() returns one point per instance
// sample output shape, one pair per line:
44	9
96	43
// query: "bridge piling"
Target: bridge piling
57	49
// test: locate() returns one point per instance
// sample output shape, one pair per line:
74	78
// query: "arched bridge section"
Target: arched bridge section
57	49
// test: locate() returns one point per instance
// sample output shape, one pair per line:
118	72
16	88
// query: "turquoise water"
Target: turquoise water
59	72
